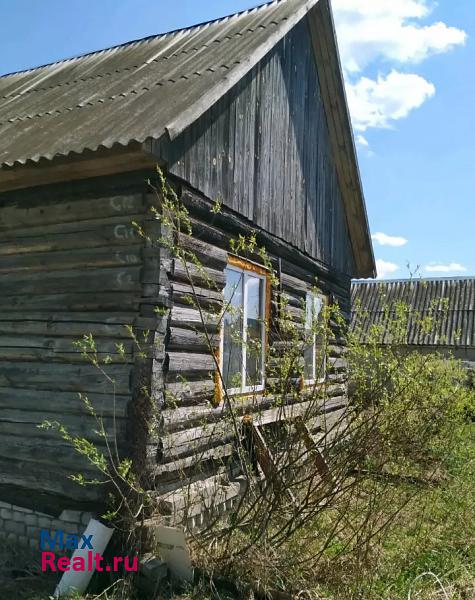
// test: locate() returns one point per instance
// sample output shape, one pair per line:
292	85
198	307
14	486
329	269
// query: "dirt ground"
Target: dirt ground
21	577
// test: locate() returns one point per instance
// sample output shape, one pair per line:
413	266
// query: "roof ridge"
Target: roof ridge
145	39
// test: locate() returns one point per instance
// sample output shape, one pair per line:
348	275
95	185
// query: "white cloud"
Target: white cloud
370	30
388	240
388	33
388	99
384	268
361	141
449	268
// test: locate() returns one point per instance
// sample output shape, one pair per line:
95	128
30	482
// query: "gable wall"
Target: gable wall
264	150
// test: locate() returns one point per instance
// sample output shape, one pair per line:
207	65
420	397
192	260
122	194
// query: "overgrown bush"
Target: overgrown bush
298	524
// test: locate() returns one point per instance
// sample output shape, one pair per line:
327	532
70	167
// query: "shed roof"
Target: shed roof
450	300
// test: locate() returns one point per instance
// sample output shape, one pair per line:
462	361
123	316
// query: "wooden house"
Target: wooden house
250	108
450	302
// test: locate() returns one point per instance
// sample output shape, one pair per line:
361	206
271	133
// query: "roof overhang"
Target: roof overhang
103	162
327	57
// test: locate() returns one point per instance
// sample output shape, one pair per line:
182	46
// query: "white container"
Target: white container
77	581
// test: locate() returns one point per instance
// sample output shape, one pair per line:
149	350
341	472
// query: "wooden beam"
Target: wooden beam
89	164
320	22
320	462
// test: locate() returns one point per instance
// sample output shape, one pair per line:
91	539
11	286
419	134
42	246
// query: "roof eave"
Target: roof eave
330	73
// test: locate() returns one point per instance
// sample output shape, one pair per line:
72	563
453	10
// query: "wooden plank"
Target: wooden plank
61	402
72	259
187	362
123	279
80	301
111	232
318	458
102	162
186	340
20	215
74	378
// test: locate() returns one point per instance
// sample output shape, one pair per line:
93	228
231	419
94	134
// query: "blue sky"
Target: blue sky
408	66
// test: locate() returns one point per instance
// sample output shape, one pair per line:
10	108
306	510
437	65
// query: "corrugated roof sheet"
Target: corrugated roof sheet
135	91
450	301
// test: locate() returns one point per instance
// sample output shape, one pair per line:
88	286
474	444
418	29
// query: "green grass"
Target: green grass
428	554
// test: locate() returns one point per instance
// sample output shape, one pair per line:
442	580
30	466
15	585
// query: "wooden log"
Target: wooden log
42	479
175	468
187	362
61	402
47	452
61	349
193	441
183	316
207	254
193	297
294	261
112	233
191	341
189	393
72	210
64	377
78	301
123	279
72	259
200	276
71	325
76	425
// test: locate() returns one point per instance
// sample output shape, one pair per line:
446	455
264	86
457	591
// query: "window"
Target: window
314	357
243	340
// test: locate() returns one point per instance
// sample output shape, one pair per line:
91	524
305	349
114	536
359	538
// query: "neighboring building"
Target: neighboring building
449	301
250	108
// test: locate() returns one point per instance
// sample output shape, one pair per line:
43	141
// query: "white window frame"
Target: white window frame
247	389
314	298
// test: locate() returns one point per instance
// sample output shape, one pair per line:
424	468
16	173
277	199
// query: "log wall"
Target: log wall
71	263
196	441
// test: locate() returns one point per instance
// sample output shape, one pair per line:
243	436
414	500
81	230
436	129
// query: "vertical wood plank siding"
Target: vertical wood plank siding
264	149
71	264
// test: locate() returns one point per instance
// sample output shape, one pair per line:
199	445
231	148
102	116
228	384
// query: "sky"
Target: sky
408	67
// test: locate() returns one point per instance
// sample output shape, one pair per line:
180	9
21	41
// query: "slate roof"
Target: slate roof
455	324
138	90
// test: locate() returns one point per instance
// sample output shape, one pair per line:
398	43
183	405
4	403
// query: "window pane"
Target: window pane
319	344
255	326
309	343
232	329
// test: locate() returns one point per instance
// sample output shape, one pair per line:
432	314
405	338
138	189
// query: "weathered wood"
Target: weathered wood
80	378
195	296
207	254
202	276
107	232
21	215
318	458
72	259
189	393
190	341
106	162
80	301
124	279
44	480
186	362
183	316
61	402
272	173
